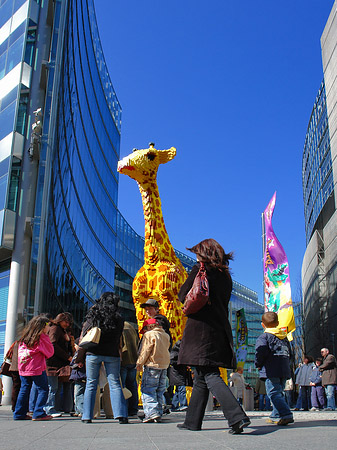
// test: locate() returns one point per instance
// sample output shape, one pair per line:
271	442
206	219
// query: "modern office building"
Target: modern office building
319	176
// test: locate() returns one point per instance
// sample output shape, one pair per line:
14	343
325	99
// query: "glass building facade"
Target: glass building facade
244	298
317	176
69	243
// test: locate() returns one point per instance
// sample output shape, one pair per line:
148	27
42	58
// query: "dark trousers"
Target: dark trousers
15	388
317	397
129	380
306	397
208	379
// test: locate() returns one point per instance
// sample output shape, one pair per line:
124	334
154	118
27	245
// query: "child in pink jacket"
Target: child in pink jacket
34	348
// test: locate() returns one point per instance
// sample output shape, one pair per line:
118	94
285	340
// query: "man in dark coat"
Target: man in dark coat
329	378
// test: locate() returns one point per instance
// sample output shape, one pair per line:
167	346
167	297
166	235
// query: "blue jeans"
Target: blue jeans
112	367
32	397
264	402
330	396
275	391
289	398
79	388
179	398
153	388
53	382
129	380
22	403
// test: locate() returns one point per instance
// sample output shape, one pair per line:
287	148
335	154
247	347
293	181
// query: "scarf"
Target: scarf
278	332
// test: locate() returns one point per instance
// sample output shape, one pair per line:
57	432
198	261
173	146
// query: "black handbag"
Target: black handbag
198	296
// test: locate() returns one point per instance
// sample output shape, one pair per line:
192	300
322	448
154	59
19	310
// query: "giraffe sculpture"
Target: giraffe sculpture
162	273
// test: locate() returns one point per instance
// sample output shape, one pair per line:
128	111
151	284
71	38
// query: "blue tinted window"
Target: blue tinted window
9	98
7	120
3	65
3	190
20	30
6	11
14	54
18	4
4	166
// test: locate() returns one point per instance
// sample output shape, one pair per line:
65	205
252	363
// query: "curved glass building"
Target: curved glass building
319	175
316	164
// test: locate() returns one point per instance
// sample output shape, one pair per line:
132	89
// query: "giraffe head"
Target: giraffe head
142	165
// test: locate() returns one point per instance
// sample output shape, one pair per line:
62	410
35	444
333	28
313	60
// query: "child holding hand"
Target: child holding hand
34	348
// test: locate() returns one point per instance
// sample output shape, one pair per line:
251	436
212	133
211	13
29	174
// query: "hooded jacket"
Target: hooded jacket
32	361
272	354
304	374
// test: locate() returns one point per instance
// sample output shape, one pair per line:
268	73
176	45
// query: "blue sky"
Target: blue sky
231	85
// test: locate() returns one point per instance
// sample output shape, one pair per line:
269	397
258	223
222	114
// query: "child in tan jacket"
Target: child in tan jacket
153	359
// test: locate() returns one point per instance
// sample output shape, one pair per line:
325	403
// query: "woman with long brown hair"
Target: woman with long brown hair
207	342
59	336
34	348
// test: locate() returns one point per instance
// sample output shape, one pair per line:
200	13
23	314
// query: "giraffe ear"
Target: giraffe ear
166	155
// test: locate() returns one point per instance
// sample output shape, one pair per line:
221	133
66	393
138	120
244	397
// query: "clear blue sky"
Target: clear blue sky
231	85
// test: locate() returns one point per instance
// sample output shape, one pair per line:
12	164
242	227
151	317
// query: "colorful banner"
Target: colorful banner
241	338
277	291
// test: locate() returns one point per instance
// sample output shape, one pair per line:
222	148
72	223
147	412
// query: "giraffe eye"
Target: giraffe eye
151	156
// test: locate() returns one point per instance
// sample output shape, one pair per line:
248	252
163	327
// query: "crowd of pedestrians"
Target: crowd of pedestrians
54	374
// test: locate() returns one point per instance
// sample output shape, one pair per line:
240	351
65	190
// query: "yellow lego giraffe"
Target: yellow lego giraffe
162	273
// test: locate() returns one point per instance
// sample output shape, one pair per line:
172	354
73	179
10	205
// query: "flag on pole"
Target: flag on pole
241	338
277	291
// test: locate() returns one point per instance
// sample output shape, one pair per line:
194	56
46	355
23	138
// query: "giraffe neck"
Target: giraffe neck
157	243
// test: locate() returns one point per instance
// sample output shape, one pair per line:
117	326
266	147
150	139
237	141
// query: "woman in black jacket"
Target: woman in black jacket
207	342
104	314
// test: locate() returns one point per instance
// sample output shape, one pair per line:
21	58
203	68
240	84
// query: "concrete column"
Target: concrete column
11	320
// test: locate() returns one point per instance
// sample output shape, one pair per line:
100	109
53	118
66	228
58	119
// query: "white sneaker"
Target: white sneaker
314	409
56	415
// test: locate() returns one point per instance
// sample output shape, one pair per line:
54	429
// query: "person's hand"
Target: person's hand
70	358
80	364
139	367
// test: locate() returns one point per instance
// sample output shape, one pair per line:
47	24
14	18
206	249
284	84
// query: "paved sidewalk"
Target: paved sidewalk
311	430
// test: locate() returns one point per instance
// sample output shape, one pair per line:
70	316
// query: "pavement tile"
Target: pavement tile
310	430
